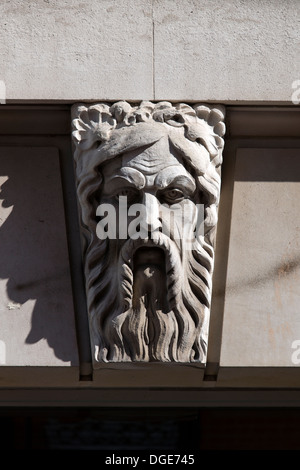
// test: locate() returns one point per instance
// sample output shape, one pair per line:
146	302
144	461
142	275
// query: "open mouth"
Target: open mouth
149	256
149	273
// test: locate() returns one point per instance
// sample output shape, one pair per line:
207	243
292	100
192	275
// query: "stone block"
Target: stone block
36	305
226	51
76	51
261	314
140	50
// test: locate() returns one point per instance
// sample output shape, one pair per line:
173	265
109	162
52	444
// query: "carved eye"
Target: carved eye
171	196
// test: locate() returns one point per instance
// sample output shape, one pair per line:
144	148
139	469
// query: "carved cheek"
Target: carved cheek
178	220
190	212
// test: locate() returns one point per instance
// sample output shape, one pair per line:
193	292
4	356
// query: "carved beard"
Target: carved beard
149	299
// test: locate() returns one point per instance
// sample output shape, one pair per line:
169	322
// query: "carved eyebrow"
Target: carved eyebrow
185	182
130	175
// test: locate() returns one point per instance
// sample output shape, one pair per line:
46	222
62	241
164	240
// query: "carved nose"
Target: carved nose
152	220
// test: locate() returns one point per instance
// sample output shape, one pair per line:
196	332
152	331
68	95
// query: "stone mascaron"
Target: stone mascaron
148	184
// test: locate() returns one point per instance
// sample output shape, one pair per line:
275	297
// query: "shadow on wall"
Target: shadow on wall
33	252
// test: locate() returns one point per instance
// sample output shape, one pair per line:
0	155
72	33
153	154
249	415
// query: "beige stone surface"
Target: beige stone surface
149	262
261	315
244	50
36	307
69	50
196	50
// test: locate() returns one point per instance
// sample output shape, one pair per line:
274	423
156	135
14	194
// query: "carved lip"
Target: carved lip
149	256
171	256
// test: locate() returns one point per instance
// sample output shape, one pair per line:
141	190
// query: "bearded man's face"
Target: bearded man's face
148	183
155	179
152	193
156	198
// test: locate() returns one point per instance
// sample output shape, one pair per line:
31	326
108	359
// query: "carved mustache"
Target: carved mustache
157	240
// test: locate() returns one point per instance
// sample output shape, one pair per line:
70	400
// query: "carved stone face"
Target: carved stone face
148	290
156	179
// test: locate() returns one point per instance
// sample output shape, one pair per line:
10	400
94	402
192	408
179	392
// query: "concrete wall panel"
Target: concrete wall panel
231	50
199	50
261	315
36	305
69	50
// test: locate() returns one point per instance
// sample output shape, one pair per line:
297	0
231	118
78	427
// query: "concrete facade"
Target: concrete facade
242	54
196	50
37	315
263	267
